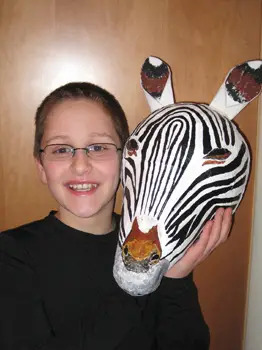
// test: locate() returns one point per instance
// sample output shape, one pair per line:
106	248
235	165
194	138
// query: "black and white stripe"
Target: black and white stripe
167	181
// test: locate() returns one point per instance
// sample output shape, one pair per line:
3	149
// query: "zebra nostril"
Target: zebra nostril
125	251
154	258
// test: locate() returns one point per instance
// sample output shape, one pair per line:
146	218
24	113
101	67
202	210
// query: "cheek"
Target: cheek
54	172
112	170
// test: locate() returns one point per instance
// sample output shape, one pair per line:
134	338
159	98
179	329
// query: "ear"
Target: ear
41	170
156	83
241	86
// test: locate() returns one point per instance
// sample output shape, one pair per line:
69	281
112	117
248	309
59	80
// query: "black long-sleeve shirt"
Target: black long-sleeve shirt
57	291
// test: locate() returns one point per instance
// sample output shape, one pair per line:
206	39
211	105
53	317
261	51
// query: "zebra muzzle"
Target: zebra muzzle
141	250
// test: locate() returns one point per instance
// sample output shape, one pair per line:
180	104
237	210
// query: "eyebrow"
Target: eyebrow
104	134
65	138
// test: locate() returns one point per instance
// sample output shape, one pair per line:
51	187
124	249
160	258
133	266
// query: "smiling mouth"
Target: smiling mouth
82	187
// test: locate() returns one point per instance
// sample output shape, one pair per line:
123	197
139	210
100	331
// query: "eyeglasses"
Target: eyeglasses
96	151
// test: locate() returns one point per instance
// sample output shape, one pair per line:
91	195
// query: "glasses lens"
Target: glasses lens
102	150
56	152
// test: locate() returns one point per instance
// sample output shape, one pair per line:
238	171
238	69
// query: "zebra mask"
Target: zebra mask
180	164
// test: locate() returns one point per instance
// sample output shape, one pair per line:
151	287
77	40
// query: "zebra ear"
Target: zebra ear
156	83
241	86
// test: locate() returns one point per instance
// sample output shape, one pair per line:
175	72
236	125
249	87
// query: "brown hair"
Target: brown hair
80	90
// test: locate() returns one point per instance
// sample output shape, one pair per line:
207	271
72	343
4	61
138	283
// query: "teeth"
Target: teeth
82	187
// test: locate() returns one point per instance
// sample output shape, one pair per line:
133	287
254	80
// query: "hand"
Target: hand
214	233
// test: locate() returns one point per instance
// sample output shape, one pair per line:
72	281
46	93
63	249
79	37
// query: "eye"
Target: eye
61	150
217	156
97	148
132	147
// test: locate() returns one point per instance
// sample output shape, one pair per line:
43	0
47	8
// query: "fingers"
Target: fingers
200	246
226	225
220	230
222	225
191	258
214	233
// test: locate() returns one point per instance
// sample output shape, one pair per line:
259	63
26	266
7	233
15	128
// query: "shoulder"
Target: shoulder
13	242
22	232
23	228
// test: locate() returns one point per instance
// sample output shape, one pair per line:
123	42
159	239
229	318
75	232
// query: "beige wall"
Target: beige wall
253	339
46	43
253	336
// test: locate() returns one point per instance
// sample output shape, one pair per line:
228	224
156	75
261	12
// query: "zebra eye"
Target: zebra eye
217	156
132	147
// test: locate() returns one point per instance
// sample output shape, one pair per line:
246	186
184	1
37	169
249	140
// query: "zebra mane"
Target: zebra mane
241	86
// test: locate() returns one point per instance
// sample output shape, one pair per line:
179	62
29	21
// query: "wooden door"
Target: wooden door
47	43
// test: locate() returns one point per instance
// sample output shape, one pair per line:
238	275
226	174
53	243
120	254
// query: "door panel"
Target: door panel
45	44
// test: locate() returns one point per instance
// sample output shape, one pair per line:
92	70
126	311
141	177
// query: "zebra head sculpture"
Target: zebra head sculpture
180	165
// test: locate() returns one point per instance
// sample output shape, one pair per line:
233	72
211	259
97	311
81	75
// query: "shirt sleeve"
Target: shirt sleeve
179	322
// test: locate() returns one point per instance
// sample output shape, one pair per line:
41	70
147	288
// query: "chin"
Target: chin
86	212
83	214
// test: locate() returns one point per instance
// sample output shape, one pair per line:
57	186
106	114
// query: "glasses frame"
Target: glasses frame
74	149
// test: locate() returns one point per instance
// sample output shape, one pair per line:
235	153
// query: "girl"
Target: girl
57	289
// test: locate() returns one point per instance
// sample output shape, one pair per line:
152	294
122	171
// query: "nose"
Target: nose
81	163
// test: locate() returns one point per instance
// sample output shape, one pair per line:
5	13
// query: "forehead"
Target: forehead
78	118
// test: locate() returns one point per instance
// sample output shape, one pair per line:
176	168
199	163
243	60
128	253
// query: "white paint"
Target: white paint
145	223
155	61
138	283
253	331
254	64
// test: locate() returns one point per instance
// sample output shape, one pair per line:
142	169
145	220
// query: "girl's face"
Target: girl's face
83	187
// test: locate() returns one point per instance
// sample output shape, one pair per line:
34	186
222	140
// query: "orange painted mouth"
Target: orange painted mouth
141	248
